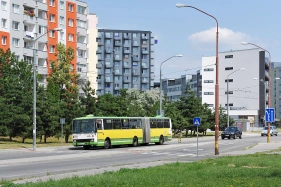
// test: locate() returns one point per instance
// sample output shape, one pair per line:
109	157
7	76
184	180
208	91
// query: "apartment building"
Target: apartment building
247	89
174	88
125	60
275	92
26	21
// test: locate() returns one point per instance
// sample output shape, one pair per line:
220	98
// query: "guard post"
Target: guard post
179	137
62	121
196	122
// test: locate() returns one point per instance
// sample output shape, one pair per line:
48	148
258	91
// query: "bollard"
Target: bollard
179	138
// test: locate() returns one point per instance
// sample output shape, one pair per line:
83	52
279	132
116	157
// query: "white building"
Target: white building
246	94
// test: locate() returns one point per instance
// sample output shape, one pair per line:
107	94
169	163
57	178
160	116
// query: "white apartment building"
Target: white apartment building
246	88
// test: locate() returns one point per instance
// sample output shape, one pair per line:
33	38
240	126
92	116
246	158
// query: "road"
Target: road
24	163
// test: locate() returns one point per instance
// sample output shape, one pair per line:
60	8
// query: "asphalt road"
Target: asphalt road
24	163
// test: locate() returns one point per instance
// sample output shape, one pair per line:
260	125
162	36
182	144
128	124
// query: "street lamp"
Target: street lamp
179	55
268	130
217	78
34	85
241	69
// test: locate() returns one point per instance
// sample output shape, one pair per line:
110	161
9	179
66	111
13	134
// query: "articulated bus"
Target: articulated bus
93	131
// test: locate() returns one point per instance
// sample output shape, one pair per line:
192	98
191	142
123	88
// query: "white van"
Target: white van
273	131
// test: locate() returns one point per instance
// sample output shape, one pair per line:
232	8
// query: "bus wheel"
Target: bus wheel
161	140
86	147
107	143
135	142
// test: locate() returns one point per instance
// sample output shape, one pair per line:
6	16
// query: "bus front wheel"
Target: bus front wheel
161	140
107	144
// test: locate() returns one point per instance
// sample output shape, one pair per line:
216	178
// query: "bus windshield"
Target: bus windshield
83	126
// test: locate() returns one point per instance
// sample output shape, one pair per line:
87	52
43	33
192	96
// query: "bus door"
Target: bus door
98	128
146	130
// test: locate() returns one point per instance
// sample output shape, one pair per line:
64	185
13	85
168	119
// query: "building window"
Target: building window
52	18
4	40
228	56
126	71
70	37
208	81
42	29
135	63
144	71
52	2
81	23
135	79
62	36
228	68
134	35
208	93
210	105
3	23
229	80
229	92
16	42
144	42
81	9
70	7
4	5
107	41
82	53
28	59
116	34
61	20
61	5
107	70
16	9
70	22
209	69
52	49
52	34
230	104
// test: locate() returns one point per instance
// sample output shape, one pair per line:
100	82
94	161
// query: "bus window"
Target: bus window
159	123
166	123
139	124
153	123
125	124
116	124
107	123
99	124
135	123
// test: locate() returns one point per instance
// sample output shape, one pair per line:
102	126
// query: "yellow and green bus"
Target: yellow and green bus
91	131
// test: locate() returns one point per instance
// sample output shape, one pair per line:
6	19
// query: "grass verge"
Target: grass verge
5	143
247	170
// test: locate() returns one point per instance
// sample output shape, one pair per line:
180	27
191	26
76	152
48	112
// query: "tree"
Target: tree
65	76
88	101
16	96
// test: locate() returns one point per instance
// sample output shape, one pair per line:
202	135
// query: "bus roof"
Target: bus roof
115	117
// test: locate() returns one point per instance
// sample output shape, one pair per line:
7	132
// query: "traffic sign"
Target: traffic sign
196	121
269	115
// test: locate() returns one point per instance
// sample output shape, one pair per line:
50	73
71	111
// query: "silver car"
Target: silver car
273	131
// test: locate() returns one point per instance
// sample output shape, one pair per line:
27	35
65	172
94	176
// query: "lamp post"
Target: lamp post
217	78
161	81
241	69
268	130
34	85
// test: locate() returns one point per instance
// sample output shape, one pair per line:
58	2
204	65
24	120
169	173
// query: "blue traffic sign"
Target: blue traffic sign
269	115
196	121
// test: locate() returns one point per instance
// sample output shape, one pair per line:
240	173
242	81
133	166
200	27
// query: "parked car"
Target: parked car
273	131
232	132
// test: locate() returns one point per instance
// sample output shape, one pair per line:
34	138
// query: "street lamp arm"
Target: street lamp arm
232	73
166	61
206	14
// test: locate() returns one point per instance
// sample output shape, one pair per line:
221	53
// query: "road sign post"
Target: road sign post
62	121
197	122
269	117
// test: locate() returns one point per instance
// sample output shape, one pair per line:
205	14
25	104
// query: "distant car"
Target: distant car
231	132
273	131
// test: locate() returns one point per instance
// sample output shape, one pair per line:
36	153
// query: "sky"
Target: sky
191	33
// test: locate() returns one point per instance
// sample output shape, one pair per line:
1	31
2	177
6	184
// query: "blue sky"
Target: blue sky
189	32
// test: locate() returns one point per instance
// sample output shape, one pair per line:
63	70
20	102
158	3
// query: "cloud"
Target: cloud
227	38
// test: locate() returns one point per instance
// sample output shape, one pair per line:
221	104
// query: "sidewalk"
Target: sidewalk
273	147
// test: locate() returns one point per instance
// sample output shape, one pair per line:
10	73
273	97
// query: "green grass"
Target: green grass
247	170
5	143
